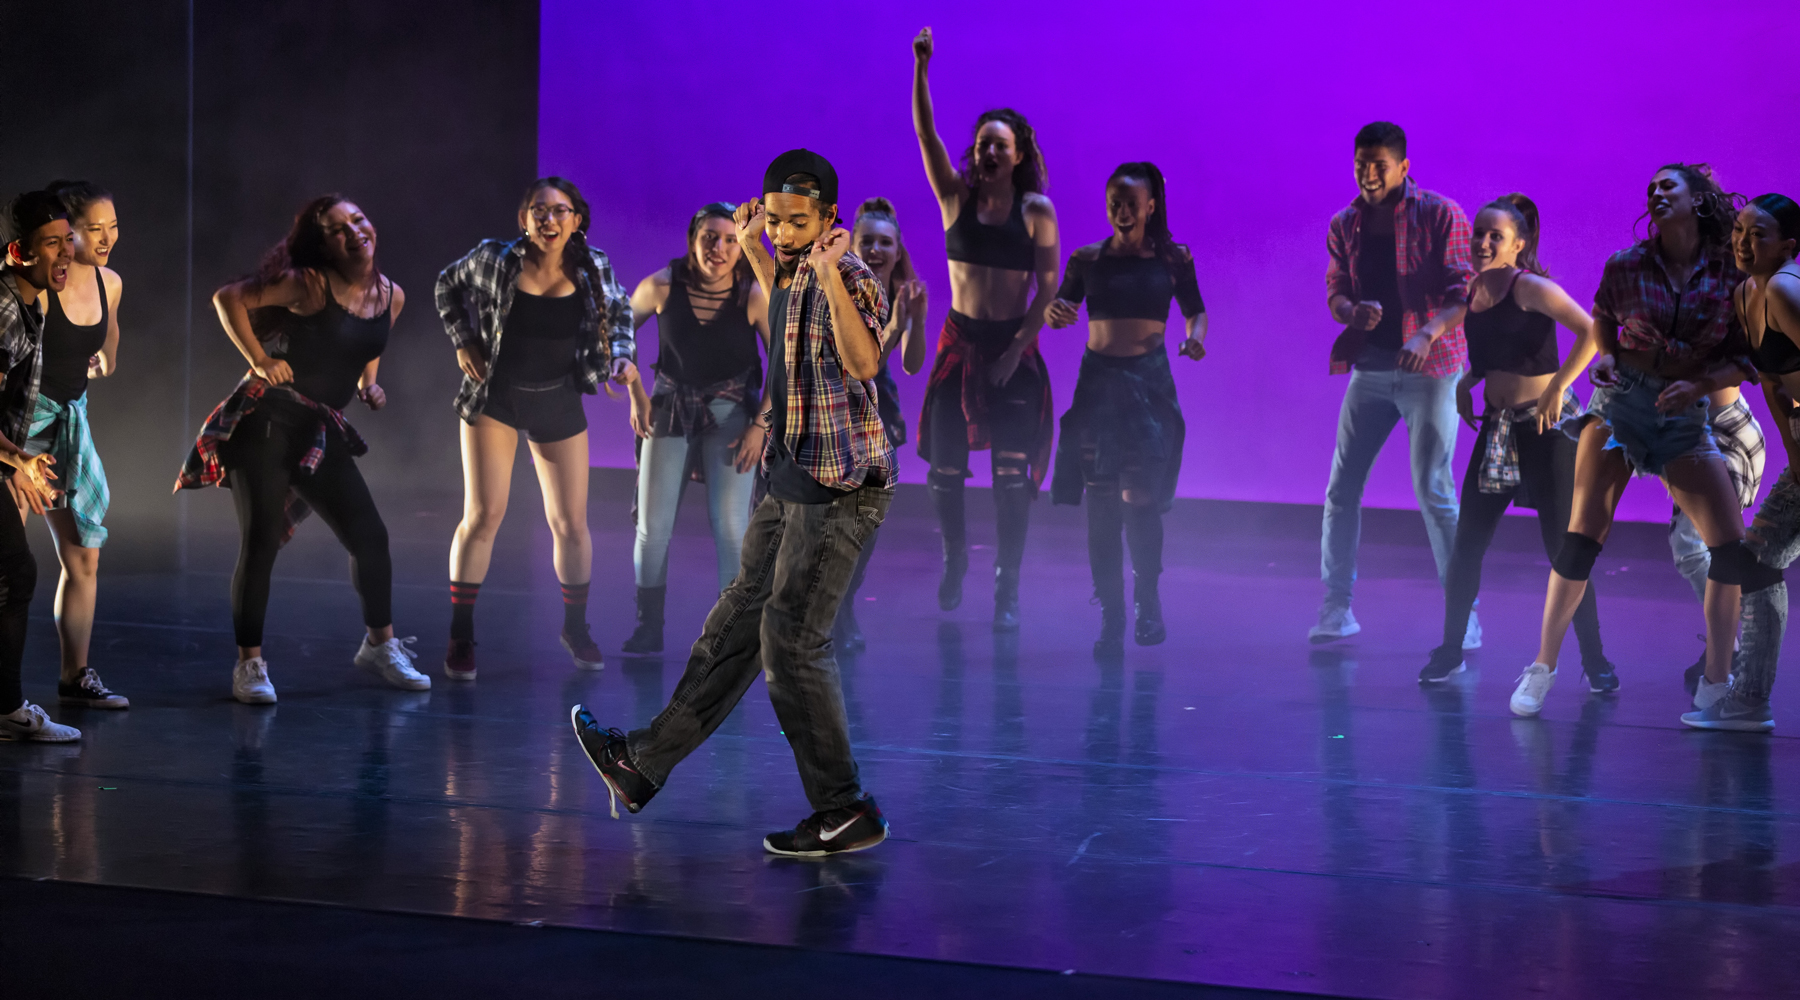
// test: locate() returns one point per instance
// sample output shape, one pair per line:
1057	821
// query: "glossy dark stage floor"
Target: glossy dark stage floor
1232	808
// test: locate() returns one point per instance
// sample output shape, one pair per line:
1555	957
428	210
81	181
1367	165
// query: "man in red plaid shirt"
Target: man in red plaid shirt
1398	281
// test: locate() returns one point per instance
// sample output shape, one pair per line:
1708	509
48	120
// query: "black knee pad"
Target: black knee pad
1731	562
1575	560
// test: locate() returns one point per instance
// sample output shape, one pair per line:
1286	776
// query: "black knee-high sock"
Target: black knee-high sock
947	500
462	609
1144	533
575	597
1106	553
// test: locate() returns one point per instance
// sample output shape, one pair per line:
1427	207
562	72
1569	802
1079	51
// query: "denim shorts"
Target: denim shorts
1650	438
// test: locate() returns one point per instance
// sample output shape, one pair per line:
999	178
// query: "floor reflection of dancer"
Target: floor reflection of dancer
1521	457
830	473
81	341
1664	326
876	239
280	441
1122	438
709	313
1765	239
989	387
39	249
551	300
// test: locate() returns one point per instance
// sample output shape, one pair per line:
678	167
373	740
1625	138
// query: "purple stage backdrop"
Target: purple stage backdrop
658	108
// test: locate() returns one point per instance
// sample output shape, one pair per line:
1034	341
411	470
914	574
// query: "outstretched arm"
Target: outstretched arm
945	183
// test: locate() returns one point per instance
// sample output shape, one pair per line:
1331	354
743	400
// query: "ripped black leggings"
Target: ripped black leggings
1013	413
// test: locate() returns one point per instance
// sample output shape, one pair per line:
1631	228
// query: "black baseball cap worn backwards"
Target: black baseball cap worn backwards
802	161
38	208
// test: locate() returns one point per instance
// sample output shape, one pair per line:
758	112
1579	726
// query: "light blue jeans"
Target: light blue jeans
1373	403
662	471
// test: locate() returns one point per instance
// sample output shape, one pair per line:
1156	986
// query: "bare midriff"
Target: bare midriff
994	293
1125	338
1511	391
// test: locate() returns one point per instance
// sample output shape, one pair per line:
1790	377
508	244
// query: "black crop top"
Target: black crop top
1007	246
539	338
1505	338
67	348
1775	355
1131	287
700	354
329	349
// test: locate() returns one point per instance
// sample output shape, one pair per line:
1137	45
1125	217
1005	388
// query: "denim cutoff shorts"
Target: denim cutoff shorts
1650	438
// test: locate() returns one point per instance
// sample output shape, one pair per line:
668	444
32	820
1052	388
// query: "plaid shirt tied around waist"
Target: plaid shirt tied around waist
834	428
61	430
206	467
1431	241
1499	471
681	410
1693	325
485	279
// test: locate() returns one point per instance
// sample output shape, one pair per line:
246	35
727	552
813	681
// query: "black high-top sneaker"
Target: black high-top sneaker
1150	630
611	756
1006	600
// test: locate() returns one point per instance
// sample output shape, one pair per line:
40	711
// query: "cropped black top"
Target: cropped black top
329	349
1775	355
1131	287
67	348
1505	338
1007	246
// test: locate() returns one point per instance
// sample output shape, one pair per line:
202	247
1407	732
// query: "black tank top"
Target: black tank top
1775	355
699	354
540	334
1505	338
67	348
1007	246
329	349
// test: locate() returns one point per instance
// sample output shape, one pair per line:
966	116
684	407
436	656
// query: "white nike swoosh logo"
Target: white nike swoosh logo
830	835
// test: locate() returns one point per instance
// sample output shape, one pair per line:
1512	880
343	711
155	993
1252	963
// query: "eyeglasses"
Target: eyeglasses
557	212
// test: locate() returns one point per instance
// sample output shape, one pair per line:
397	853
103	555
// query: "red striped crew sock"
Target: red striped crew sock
575	597
462	609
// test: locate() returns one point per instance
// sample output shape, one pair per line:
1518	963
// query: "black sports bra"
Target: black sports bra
1007	246
1131	287
1777	354
1505	338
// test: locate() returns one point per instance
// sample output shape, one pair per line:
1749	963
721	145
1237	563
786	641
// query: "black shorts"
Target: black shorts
546	411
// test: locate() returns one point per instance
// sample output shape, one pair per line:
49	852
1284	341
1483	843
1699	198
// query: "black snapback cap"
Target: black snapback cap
36	208
802	161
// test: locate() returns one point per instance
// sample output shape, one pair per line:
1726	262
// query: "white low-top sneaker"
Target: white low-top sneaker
1335	622
31	724
1534	686
1472	633
1707	692
392	661
250	682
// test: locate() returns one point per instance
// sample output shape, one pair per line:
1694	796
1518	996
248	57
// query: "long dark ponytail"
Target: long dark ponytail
1524	214
1156	228
1783	210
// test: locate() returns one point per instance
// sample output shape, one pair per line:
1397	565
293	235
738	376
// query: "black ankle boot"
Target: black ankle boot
1112	624
648	638
1006	599
1150	630
947	501
956	566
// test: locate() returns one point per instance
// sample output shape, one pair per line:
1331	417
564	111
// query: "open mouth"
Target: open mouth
59	275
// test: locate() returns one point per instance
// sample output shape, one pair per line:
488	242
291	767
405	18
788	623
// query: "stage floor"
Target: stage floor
1234	807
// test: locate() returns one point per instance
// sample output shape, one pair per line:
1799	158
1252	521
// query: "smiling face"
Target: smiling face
1380	172
716	248
1671	197
877	242
1128	206
1494	240
794	222
996	151
96	233
349	235
43	257
549	219
1758	244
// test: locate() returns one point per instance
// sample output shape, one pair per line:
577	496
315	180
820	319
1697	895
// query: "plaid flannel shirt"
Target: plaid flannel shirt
1695	325
21	365
62	431
1431	240
834	428
486	278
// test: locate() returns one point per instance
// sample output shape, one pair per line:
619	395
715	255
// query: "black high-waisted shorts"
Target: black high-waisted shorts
546	411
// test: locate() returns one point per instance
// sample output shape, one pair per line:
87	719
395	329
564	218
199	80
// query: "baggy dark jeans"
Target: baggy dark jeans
777	617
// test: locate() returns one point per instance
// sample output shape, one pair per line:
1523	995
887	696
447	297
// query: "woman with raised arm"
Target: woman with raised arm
1122	437
709	314
1765	239
875	238
1667	338
988	387
565	323
323	311
81	342
1520	456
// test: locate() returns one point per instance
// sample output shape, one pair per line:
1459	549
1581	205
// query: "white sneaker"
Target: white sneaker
392	661
1335	622
31	724
1472	633
250	682
1708	692
1534	685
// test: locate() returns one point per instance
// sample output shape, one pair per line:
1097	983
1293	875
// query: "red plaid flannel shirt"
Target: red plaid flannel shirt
1696	324
1431	240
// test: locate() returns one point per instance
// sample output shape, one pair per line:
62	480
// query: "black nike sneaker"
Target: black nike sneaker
1445	663
855	827
1602	678
610	755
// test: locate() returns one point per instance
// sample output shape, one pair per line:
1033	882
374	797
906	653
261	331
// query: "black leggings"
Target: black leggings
1107	513
262	460
1013	411
1547	470
18	578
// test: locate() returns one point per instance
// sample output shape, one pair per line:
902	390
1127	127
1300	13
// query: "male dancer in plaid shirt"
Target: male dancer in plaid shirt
831	477
1398	281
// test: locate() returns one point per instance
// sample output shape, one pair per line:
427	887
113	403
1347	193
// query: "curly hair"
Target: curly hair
1524	214
304	248
882	210
1714	207
1031	174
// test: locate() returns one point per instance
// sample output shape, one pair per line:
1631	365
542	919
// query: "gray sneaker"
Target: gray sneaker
1733	713
1335	622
